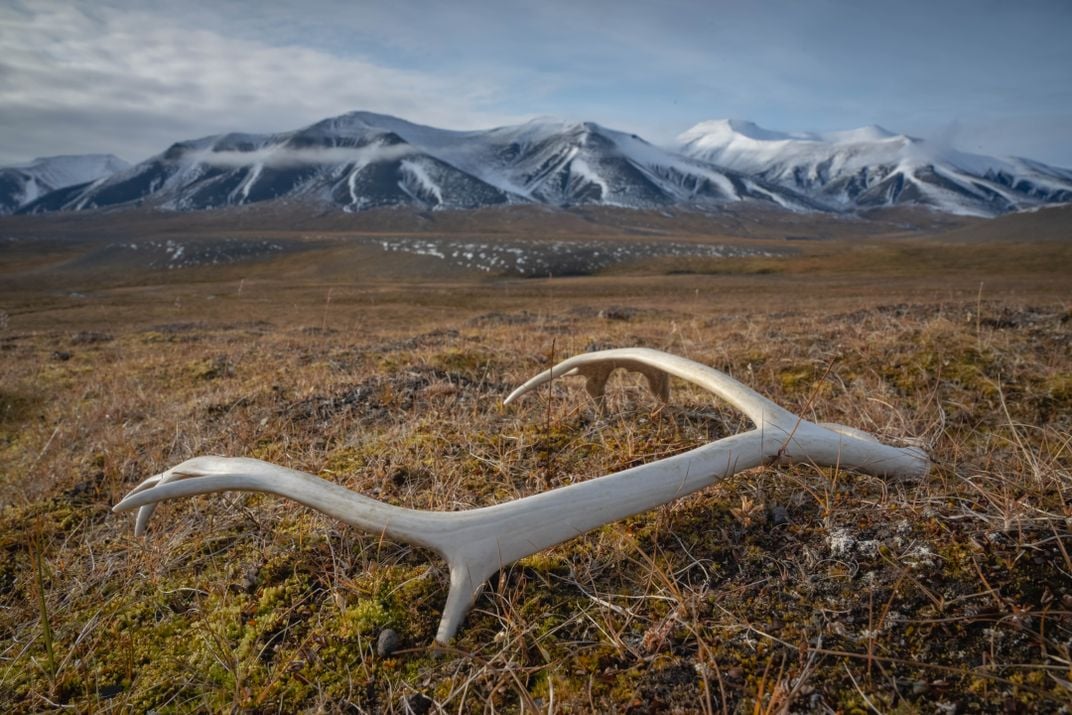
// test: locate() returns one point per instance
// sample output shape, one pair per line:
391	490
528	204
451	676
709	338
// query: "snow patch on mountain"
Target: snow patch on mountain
420	174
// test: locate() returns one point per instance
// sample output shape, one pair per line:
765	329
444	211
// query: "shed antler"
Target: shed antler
477	542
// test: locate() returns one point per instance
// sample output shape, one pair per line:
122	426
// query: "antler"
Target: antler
478	542
792	438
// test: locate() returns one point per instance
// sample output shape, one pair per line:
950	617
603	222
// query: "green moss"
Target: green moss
545	562
210	368
947	354
15	407
1058	389
363	618
469	362
345	461
795	381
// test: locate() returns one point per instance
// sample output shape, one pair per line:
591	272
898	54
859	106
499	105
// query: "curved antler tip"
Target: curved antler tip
512	397
559	370
133	501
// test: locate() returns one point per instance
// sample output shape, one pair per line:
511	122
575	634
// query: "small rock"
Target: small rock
249	580
778	515
110	691
61	355
387	643
617	313
418	703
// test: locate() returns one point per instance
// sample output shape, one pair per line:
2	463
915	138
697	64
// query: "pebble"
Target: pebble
387	643
418	703
778	515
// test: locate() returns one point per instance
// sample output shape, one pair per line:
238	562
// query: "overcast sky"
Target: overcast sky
130	78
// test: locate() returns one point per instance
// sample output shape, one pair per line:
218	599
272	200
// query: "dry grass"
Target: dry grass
779	590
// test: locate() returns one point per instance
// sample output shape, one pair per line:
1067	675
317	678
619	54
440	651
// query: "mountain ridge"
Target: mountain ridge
361	160
21	184
872	166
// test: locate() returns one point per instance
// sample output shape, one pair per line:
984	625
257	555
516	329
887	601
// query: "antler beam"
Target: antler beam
478	542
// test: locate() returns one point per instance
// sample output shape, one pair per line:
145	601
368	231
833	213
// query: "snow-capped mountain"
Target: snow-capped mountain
351	166
363	160
19	185
871	167
569	163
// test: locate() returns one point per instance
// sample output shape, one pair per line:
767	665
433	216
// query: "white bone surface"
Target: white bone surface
477	542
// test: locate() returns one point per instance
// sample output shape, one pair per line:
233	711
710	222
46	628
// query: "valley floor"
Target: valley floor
797	589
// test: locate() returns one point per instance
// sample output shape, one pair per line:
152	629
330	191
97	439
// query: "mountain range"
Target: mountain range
363	160
23	184
871	167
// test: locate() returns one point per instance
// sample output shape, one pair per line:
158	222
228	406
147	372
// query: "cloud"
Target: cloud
133	76
69	73
278	157
1040	136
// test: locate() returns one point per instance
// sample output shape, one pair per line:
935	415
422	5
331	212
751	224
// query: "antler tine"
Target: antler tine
206	475
657	366
146	512
471	559
792	438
